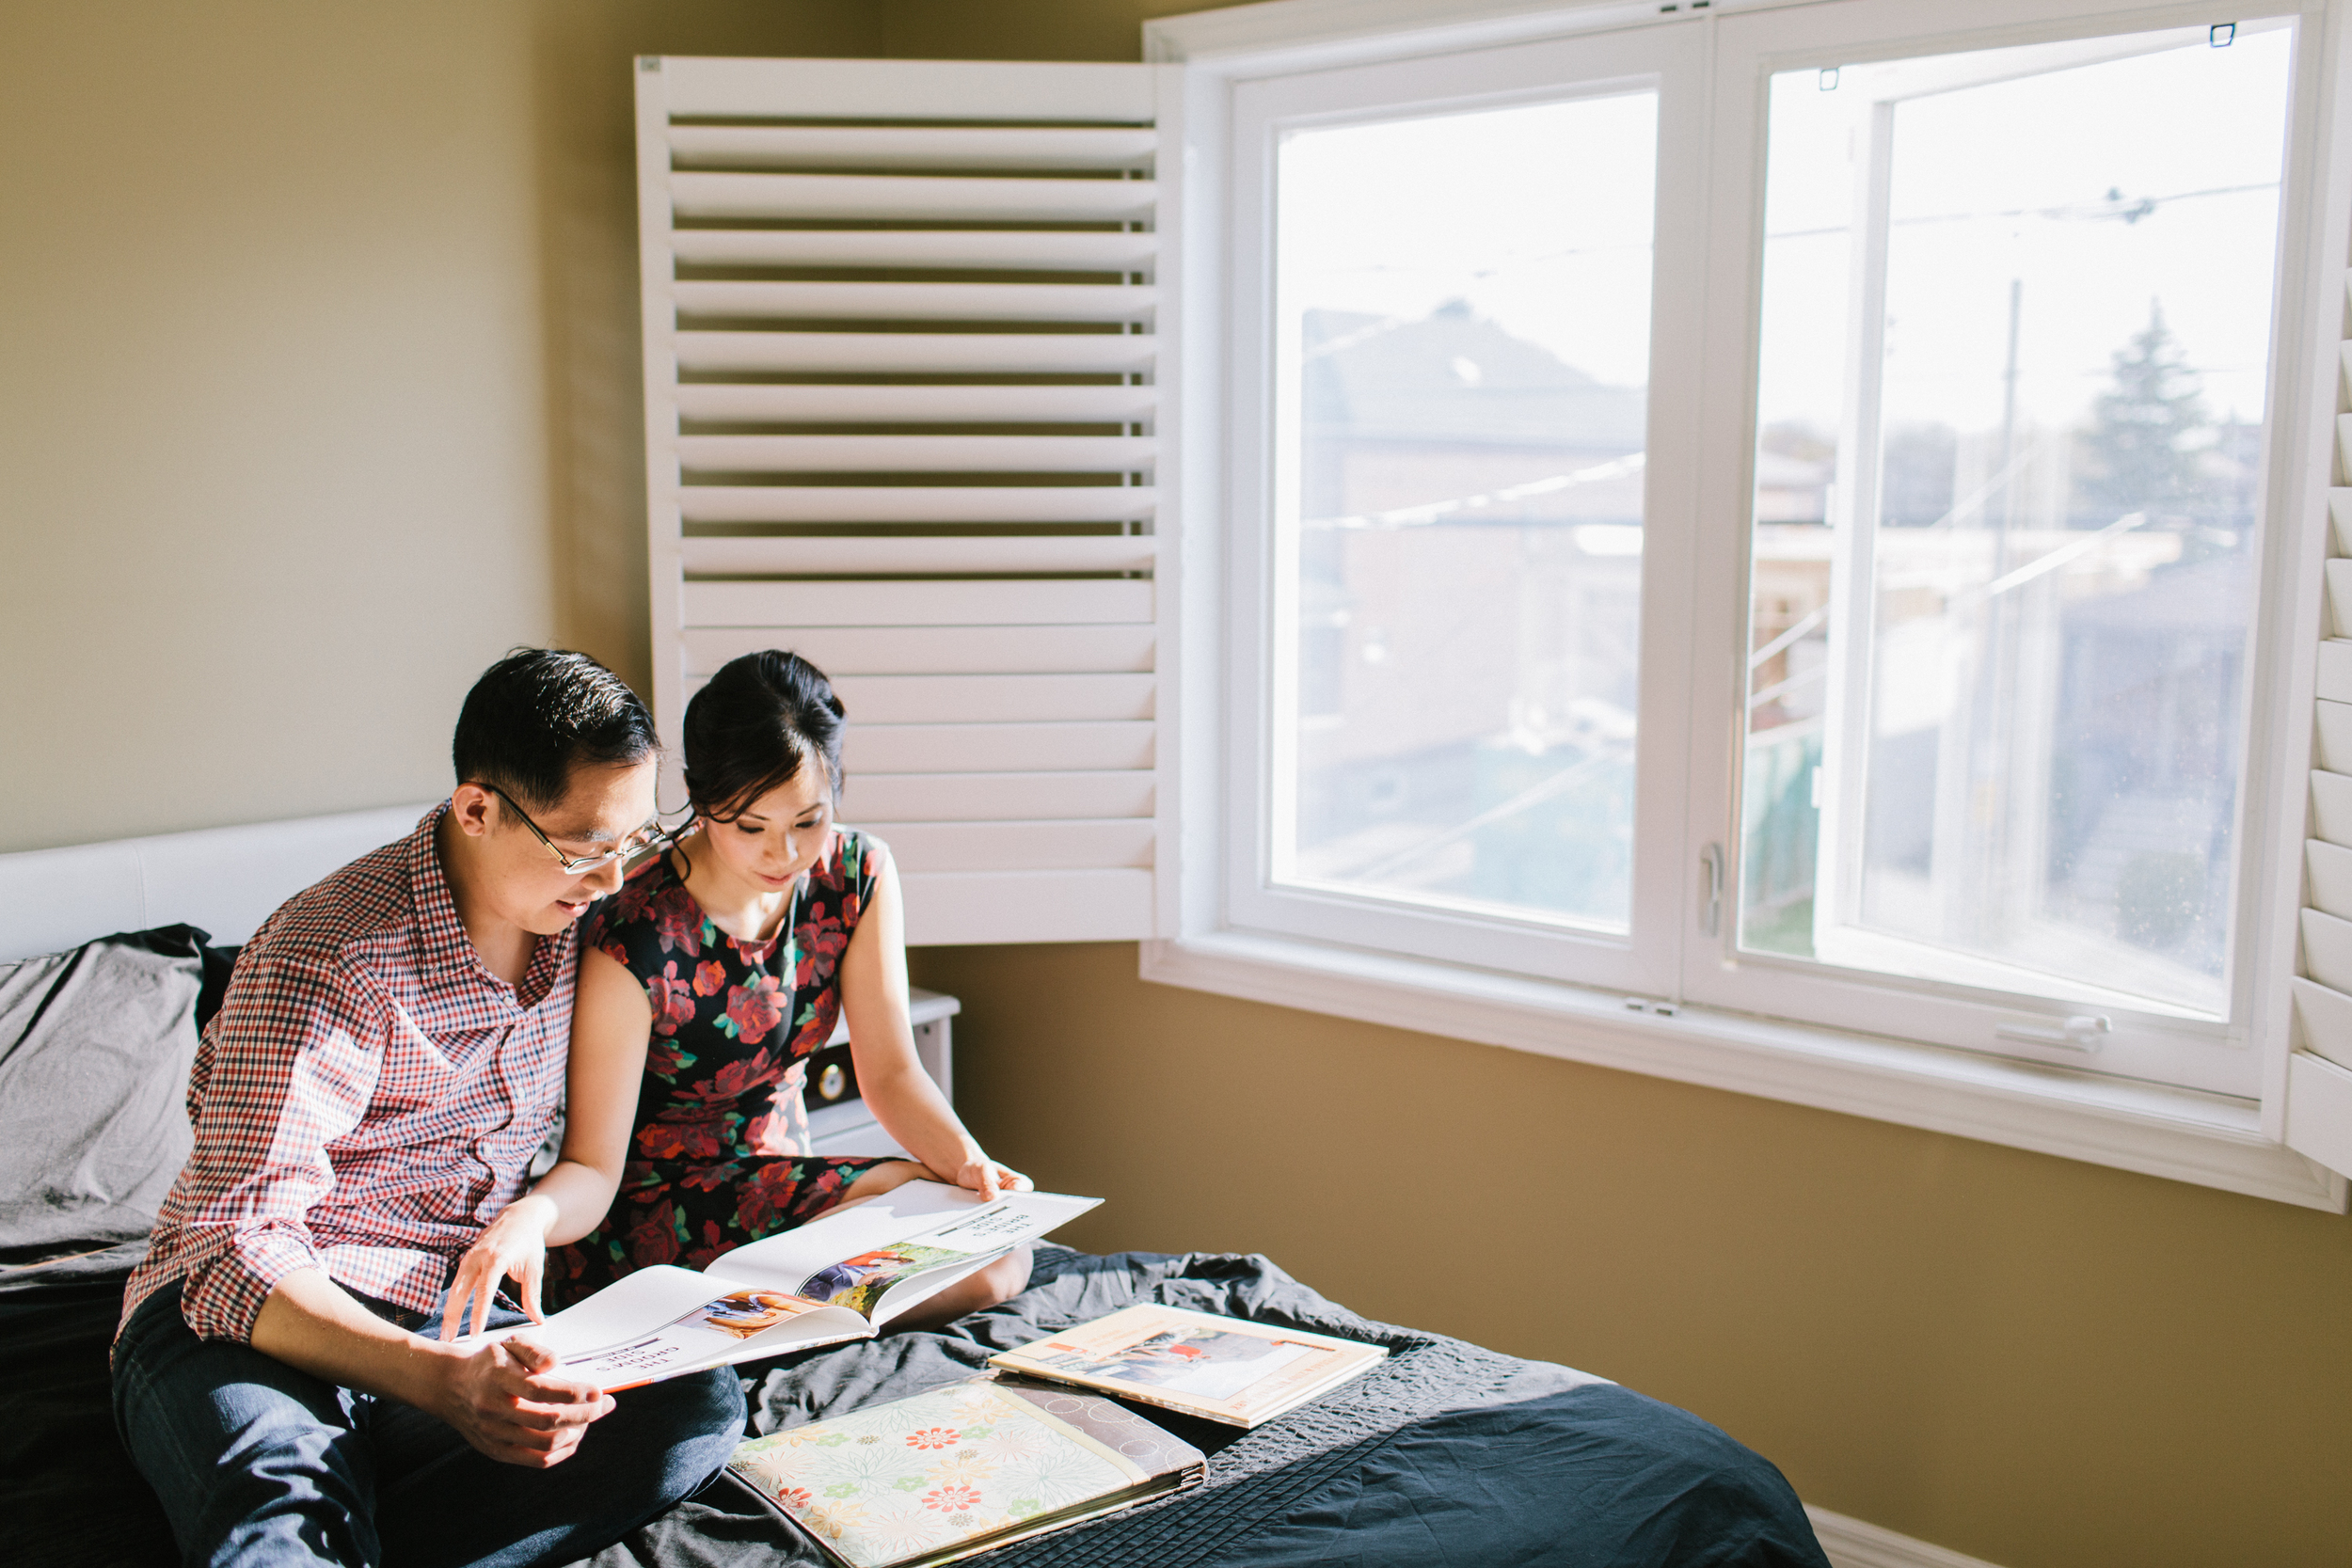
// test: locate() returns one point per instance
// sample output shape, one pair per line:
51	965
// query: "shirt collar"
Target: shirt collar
441	941
443	947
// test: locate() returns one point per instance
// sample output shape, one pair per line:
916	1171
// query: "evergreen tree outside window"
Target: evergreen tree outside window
2150	430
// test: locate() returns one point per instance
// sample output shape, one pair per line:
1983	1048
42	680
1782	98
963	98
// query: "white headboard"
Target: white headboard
225	880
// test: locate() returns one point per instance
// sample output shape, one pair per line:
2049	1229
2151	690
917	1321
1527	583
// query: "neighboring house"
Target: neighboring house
1471	515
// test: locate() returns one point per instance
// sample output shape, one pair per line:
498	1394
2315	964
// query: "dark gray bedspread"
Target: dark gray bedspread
1445	1454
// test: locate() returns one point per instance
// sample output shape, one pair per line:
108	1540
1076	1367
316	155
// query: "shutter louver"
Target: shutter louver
2319	1071
904	417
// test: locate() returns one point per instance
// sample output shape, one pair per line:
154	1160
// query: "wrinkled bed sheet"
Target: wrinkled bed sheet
1446	1454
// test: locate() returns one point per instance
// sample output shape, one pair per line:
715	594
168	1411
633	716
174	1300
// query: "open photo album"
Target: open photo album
1219	1369
840	1278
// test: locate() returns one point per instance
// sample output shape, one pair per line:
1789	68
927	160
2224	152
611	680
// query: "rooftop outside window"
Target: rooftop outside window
1462	347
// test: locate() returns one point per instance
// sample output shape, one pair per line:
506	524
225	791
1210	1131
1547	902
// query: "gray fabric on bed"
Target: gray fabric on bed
95	1045
1447	1453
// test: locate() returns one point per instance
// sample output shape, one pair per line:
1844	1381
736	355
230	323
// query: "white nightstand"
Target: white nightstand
849	1128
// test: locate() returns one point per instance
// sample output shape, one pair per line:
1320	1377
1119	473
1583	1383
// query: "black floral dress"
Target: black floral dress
720	1155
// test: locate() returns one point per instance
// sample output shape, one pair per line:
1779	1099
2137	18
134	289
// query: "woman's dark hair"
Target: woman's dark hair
752	728
538	714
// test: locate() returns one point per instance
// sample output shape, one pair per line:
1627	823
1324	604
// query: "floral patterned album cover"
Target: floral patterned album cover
960	1468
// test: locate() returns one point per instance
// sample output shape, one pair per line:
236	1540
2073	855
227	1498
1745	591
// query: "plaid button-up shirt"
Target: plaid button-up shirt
367	1099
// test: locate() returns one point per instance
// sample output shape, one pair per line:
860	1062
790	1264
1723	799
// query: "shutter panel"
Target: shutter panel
2319	1071
904	416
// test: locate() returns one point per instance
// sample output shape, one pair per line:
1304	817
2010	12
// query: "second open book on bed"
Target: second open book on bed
840	1278
1219	1369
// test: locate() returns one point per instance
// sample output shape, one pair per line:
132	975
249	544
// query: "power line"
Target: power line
2113	206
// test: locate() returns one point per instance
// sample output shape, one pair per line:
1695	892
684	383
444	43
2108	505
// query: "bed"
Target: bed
1448	1453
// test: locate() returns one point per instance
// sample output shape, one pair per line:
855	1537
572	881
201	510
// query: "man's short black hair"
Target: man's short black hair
539	713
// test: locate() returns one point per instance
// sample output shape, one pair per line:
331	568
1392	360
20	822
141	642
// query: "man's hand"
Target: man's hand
514	1247
505	1399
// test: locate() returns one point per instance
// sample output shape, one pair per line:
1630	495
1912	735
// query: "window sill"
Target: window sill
2185	1135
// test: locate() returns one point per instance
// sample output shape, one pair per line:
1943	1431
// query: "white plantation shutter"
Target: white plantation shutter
2319	1071
905	417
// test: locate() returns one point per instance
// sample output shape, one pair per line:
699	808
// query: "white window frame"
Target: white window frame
1670	61
1710	1022
2147	1042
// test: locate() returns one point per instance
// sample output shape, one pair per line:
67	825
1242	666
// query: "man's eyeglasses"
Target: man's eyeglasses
649	837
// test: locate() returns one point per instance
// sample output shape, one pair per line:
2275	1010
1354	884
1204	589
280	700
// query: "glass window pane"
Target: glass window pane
1463	350
2011	406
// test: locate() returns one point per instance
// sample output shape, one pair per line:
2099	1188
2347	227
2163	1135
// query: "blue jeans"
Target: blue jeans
259	1463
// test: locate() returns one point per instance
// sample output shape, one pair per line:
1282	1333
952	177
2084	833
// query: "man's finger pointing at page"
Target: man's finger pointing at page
461	1290
486	1286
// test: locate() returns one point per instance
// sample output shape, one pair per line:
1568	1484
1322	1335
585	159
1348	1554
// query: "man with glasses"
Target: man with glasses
389	1055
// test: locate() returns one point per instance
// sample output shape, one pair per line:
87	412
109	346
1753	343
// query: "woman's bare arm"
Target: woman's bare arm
882	1042
611	1025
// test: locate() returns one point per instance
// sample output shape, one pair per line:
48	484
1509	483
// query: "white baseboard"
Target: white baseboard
1851	1543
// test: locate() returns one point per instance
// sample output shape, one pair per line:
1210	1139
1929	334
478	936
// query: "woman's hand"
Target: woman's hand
985	1177
515	1247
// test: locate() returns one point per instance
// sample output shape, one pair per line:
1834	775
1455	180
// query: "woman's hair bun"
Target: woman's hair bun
754	727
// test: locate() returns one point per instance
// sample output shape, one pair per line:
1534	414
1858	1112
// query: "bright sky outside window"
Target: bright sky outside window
2015	345
1463	345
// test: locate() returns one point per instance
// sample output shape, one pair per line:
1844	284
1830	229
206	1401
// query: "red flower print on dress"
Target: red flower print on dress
677	921
819	943
654	1239
815	1026
729	1089
666	1060
710	979
715	1244
753	1010
709	1178
673	1002
822	1187
934	1438
772	1192
793	1496
635	894
785	1191
952	1499
672	1138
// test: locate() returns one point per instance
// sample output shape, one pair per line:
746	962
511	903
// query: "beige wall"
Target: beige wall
317	390
318	382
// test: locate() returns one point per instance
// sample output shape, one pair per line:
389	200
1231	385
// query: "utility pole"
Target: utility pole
1986	898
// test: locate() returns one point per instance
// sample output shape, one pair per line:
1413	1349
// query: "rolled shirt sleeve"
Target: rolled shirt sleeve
287	1067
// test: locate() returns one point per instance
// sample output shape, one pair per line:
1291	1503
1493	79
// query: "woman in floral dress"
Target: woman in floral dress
709	979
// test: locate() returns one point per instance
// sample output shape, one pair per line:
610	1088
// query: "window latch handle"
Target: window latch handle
1711	861
2079	1032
